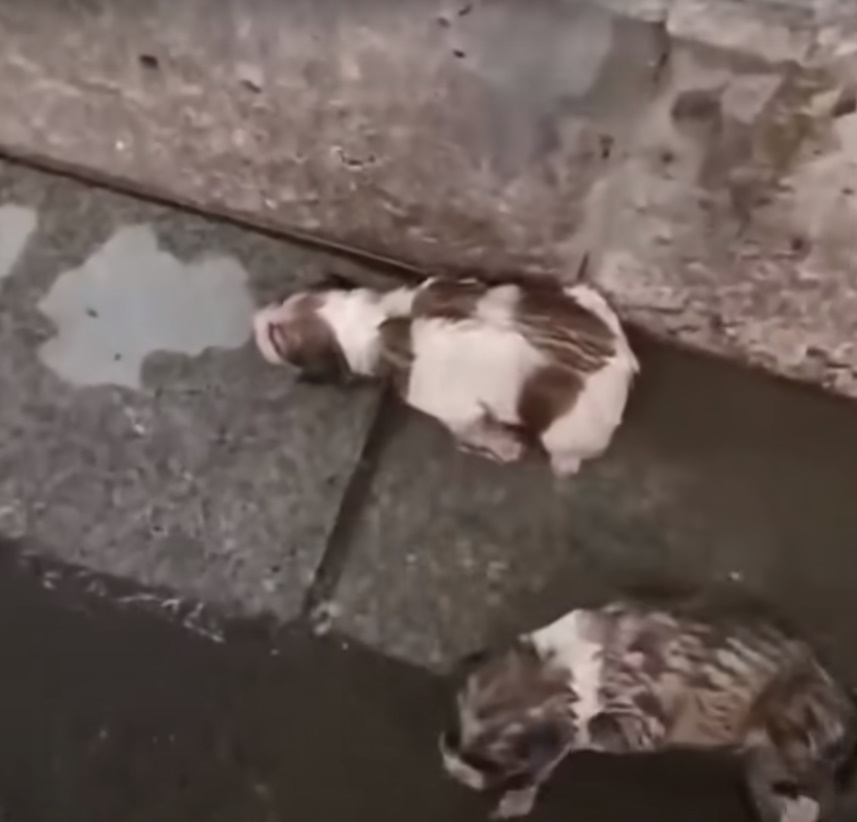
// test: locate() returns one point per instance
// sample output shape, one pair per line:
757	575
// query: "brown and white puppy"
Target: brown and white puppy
631	677
504	365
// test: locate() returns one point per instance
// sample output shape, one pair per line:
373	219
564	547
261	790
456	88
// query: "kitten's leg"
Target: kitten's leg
520	801
762	771
565	464
772	790
800	809
515	804
490	439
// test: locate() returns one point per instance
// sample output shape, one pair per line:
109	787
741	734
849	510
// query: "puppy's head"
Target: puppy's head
294	332
514	717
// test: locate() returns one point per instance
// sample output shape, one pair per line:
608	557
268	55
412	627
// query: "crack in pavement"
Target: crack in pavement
320	591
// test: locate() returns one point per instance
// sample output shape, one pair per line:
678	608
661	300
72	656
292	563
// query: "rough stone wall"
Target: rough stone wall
702	152
729	220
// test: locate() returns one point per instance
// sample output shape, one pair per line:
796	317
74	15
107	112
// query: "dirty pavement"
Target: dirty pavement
227	595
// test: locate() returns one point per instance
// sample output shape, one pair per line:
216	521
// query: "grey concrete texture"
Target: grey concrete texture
136	437
702	152
720	477
197	468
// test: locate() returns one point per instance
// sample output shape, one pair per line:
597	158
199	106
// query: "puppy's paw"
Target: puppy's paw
508	450
493	444
801	809
471	449
515	804
565	465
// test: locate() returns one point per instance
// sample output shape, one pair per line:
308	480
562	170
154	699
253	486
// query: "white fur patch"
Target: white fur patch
516	804
587	428
399	302
462	772
498	305
801	809
567	643
354	317
462	370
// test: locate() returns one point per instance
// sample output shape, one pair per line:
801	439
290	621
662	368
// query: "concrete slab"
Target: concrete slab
719	476
433	131
140	434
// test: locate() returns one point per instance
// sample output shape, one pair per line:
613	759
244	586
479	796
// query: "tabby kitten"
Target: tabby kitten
635	677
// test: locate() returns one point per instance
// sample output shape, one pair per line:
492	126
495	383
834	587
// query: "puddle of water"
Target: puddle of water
130	299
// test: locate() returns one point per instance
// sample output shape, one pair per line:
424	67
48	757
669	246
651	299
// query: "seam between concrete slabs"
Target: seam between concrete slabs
399	270
321	589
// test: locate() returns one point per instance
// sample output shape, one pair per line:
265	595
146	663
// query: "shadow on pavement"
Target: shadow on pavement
110	713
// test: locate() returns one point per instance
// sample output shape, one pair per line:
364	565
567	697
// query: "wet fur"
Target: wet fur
509	366
637	677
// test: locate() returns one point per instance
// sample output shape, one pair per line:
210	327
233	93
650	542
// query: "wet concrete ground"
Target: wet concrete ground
243	495
718	476
111	713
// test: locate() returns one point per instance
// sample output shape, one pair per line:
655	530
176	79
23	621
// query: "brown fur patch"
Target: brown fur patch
514	680
309	343
545	396
396	355
554	322
801	711
648	645
516	717
576	341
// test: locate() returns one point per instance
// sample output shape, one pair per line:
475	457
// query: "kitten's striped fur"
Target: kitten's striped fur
634	677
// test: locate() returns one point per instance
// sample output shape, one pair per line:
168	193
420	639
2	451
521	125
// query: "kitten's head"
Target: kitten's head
294	332
513	717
